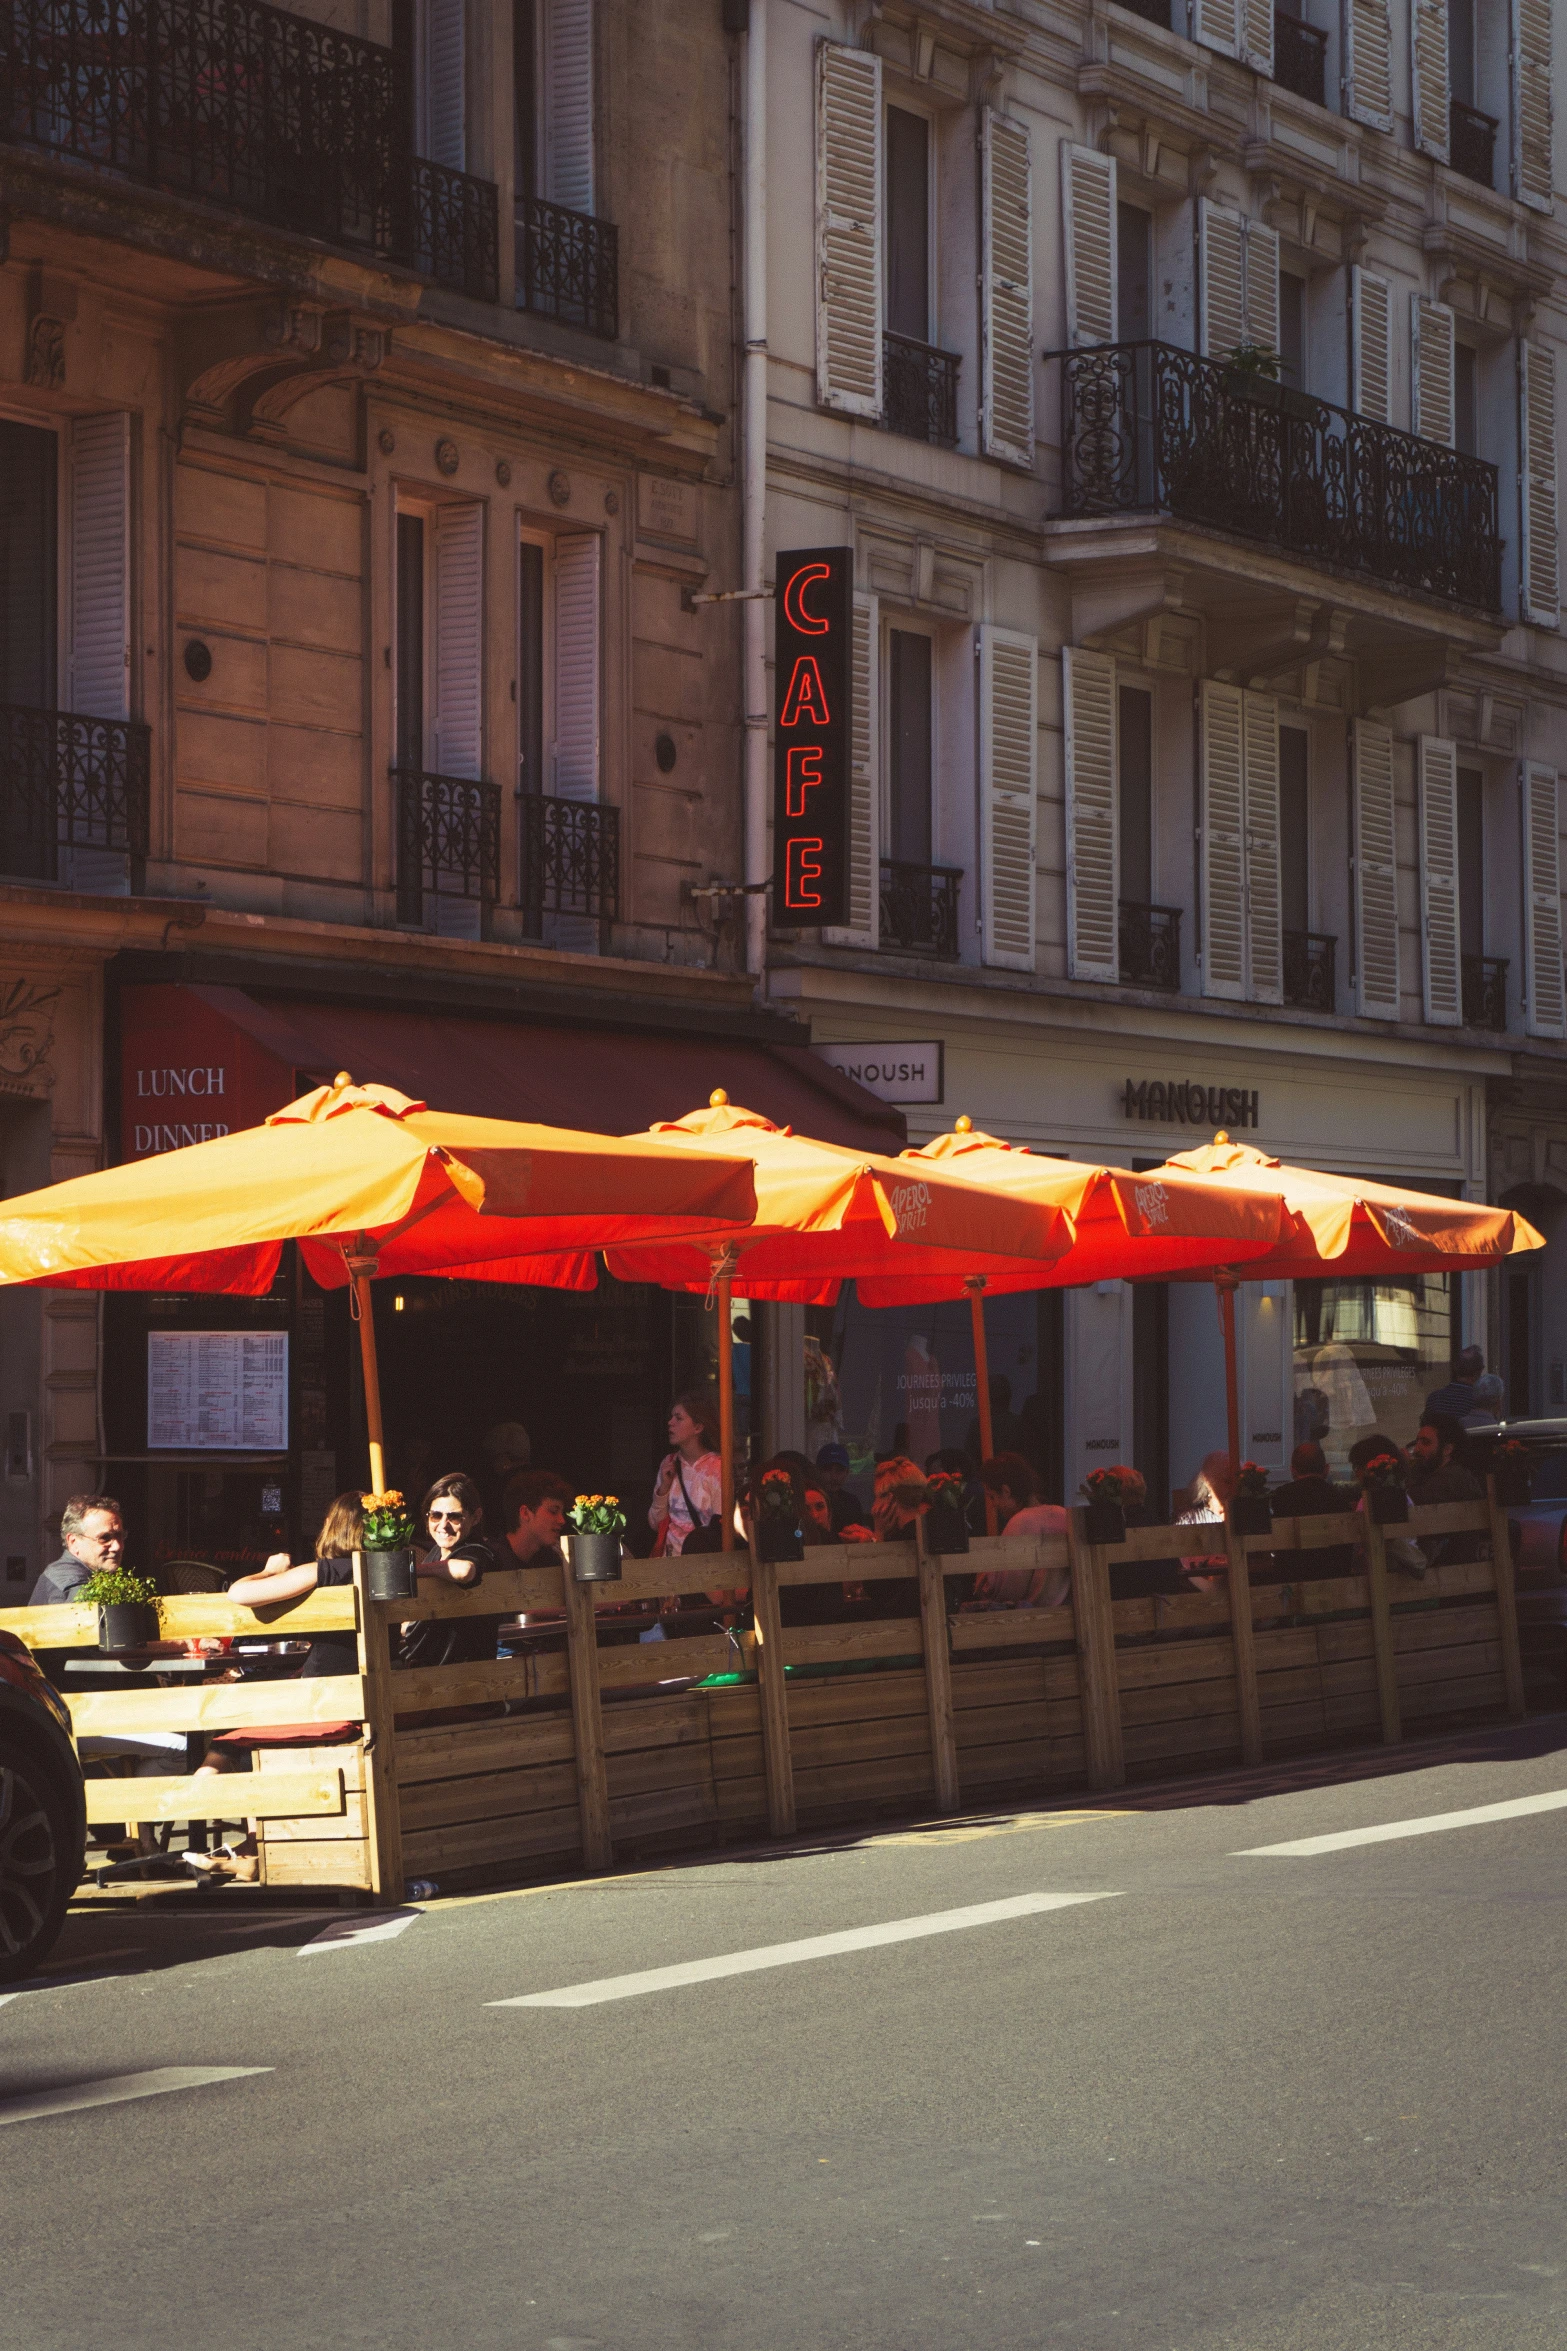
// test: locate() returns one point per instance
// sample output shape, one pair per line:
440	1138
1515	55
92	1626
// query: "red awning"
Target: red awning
606	1081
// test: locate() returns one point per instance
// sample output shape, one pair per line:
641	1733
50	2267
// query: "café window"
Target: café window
1367	1354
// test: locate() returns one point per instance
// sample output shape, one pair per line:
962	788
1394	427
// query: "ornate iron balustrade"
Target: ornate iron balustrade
1148	945
1485	992
919	907
568	266
448	840
570	860
920	390
1146	426
1311	970
236	103
1299	57
69	782
1472	142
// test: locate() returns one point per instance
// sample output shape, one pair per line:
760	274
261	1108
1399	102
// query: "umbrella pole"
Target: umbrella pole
359	1271
1225	1285
726	1411
975	1286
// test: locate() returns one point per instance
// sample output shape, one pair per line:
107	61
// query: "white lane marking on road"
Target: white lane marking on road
344	1933
703	1971
121	2087
1515	1808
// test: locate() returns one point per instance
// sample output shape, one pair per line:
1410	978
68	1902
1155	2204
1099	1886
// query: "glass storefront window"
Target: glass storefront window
1367	1355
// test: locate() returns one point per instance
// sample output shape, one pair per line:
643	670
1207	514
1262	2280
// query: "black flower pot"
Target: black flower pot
1251	1514
1388	1505
595	1559
390	1575
778	1538
1106	1522
1514	1488
946	1531
130	1625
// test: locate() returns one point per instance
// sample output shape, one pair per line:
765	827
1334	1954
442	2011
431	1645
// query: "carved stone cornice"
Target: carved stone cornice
246	367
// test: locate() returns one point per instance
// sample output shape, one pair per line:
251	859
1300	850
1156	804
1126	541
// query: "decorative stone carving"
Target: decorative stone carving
503	472
26	1034
559	487
447	456
46	353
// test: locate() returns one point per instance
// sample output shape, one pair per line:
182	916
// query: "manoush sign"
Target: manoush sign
1190	1102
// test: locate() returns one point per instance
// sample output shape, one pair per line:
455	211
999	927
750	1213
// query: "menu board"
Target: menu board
218	1391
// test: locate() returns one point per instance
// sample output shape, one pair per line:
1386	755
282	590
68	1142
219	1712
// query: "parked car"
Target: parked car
43	1812
1540	1545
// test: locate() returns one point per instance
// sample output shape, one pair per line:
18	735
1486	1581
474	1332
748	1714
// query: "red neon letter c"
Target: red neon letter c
794	600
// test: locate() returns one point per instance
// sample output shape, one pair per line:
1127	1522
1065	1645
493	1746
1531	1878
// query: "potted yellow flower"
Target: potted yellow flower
388	1547
596	1527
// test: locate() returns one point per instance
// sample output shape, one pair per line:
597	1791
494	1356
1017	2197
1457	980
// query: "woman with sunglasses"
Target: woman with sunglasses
453	1515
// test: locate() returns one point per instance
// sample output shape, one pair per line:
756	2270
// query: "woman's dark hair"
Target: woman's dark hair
342	1529
1366	1449
462	1489
1012	1471
701	1405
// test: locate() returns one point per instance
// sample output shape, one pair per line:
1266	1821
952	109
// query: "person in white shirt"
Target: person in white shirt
1015	1488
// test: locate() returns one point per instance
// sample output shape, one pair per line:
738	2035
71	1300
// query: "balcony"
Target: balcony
920	390
271	115
570	860
568	266
1310	971
1485	992
1472	142
919	907
1299	57
448	850
1146	428
1148	946
74	798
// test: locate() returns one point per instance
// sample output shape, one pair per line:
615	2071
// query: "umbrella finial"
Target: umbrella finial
1221	1136
343	1078
963	1125
717	1099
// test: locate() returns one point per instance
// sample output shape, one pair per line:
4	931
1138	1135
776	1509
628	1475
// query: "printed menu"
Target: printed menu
218	1391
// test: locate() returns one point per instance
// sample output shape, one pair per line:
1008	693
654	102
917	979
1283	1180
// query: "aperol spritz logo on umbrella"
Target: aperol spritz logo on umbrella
814	611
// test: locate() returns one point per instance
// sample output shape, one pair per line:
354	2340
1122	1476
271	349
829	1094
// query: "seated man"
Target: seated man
1438	1473
1010	1480
533	1507
1309	1494
844	1506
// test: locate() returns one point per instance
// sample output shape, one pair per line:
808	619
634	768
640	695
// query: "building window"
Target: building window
1134	273
567	259
29	538
909	828
1471	861
1294	829
1135	795
1292	328
448	816
908	225
1466	399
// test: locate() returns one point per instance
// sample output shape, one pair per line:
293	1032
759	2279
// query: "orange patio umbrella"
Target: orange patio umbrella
365	1181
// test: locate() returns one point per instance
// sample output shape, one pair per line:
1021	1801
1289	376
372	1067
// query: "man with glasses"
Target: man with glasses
92	1529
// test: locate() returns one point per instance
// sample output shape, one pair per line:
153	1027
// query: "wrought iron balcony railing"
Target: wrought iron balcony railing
570	860
448	841
1148	943
568	266
919	907
276	116
69	783
1472	142
1311	970
1485	992
1299	57
1145	426
920	390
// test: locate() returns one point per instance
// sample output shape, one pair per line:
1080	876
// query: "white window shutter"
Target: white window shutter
1431	370
458	719
567	75
1371	384
1008	762
863	928
1545	1014
578	666
1533	112
443	103
1216	24
1221	274
1264	898
98	655
1256	29
848	229
1539	566
1221	734
1088	220
1368	62
1376	873
1441	970
1006	292
1428	76
1262	284
1093	851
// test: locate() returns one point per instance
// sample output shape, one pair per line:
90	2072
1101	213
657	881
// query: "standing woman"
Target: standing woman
689	1494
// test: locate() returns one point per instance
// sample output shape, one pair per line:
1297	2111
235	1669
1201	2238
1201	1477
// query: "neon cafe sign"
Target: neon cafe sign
813	648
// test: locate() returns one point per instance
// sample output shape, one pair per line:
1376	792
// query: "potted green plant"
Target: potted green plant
1250	1511
1382	1483
945	1528
127	1606
1513	1471
388	1547
1106	1513
595	1531
779	1534
1252	373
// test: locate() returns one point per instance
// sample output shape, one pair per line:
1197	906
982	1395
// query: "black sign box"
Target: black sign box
814	649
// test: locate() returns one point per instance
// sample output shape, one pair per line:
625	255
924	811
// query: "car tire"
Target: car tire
37	1879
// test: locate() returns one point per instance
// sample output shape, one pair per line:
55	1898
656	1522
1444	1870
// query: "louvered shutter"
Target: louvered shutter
99	651
568	103
1006	293
1428	76
1221	242
1441	971
1264	906
1371	386
1262	284
1539	571
1221	728
1545	1014
1217	25
1088	218
577	667
1431	370
848	229
1093	859
1533	112
1368	62
1256	29
444	108
863	928
458	747
1376	873
1008	755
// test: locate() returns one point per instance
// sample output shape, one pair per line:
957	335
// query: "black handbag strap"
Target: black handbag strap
692	1512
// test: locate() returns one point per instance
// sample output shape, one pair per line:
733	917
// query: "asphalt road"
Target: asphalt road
1283	2102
